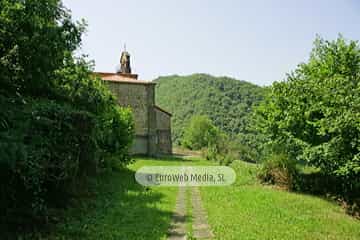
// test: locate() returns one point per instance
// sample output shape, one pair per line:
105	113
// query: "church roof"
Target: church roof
118	77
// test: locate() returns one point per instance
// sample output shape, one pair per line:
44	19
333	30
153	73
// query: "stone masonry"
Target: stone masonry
152	124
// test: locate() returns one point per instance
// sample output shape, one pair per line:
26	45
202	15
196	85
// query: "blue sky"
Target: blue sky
257	41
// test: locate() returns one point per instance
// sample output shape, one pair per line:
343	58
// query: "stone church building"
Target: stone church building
152	124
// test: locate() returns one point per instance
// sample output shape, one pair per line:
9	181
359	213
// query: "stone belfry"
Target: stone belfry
125	67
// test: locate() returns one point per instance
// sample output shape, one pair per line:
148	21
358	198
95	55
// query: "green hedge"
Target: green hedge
58	123
46	147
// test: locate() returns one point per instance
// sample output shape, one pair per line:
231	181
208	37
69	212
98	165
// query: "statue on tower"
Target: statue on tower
125	62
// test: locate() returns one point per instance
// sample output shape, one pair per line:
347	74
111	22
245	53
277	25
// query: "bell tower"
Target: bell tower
125	67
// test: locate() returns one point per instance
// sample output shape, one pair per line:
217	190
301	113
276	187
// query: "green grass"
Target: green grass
120	208
248	210
116	207
189	214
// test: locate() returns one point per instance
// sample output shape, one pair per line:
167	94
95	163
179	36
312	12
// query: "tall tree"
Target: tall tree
315	114
35	38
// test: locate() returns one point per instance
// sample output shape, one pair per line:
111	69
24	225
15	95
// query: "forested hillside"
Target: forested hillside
228	102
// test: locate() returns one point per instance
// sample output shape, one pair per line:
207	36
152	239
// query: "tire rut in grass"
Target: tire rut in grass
177	229
201	228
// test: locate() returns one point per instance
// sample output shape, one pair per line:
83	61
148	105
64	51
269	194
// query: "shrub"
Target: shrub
114	125
115	137
46	147
221	150
246	153
279	169
58	123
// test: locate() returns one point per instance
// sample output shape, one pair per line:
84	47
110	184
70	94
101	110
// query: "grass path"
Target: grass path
178	230
189	209
200	226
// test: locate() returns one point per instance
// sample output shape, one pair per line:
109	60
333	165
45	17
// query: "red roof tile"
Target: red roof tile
114	77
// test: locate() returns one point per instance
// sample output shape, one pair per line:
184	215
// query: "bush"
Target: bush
58	123
115	137
247	154
114	125
221	150
279	169
215	145
47	147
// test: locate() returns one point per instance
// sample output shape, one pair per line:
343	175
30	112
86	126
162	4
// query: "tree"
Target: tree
200	133
315	114
58	123
35	36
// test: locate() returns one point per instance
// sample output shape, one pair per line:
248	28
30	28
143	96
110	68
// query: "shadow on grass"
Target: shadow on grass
167	158
114	207
320	184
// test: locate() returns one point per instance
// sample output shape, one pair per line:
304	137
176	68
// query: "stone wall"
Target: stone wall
152	143
134	96
140	98
163	128
152	125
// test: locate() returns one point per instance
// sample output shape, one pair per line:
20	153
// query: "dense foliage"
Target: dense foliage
34	37
226	101
200	133
215	145
314	116
58	123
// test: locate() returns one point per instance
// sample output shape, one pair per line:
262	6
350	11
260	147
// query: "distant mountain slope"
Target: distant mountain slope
228	102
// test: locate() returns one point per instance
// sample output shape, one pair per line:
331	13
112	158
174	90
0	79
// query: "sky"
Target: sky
257	41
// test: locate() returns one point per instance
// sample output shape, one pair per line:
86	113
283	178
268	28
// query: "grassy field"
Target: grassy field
248	210
120	208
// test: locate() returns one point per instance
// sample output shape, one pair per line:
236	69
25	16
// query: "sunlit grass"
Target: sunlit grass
119	208
248	210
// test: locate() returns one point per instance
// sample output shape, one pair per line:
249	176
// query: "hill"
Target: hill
228	102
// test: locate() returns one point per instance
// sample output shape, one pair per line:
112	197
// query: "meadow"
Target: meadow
116	207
